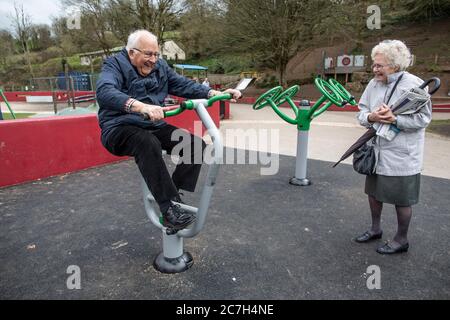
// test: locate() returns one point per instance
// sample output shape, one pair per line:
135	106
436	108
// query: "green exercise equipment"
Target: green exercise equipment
333	93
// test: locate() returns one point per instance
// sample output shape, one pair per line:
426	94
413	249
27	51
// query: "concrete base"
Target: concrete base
300	182
176	265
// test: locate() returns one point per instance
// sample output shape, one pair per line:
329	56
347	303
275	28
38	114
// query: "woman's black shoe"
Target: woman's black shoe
367	236
387	249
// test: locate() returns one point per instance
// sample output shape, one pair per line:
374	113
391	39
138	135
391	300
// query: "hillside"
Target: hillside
429	42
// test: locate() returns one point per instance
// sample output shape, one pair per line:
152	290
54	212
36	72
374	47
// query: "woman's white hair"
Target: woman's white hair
395	52
133	38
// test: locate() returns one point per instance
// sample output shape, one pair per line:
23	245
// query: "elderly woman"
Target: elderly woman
397	176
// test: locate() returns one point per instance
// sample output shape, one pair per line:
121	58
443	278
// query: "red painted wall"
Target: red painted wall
38	148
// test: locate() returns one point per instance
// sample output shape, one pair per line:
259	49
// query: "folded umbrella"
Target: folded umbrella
401	105
370	133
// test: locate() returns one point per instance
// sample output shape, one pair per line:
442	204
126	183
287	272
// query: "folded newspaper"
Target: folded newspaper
409	102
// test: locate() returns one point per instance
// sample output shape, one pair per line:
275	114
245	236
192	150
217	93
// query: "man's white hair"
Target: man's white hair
395	52
133	38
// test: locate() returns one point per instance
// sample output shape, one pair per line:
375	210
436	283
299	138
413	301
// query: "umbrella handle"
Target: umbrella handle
437	85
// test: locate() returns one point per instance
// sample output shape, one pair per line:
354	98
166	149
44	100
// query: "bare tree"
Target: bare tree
22	24
273	29
343	20
40	37
112	20
202	27
94	22
123	18
6	46
157	16
428	9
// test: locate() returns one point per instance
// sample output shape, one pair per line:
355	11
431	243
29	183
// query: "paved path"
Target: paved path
263	238
330	136
41	109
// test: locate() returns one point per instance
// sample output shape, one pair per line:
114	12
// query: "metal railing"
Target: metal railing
63	83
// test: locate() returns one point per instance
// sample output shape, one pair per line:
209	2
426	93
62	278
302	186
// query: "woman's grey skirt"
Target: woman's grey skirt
401	191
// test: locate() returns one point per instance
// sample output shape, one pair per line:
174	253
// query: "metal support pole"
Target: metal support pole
13	115
55	103
72	92
301	160
66	78
173	258
91	83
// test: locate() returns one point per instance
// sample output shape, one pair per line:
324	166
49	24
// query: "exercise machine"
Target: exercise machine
333	93
173	258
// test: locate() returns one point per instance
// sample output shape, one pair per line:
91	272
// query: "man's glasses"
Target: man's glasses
148	54
379	66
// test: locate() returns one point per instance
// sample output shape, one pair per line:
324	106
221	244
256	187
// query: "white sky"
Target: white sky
40	11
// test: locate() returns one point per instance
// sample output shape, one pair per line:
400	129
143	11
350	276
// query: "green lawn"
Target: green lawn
441	127
8	116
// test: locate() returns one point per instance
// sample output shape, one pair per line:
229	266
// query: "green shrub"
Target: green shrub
50	53
433	67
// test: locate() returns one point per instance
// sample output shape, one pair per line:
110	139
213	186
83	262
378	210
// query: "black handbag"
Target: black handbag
364	159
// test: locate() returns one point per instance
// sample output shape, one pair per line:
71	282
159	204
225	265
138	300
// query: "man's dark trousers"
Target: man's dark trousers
146	147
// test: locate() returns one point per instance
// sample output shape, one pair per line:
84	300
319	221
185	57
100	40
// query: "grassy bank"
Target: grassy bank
8	116
441	127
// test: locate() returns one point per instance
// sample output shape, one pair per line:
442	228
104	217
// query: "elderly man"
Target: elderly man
135	82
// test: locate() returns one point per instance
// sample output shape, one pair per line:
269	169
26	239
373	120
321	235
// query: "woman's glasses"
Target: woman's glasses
379	66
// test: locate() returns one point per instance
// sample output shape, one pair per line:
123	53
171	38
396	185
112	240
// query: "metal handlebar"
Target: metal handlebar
191	105
275	98
332	91
347	96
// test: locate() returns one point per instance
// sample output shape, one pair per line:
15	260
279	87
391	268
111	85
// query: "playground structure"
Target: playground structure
333	93
199	70
173	259
72	102
73	84
238	247
74	89
222	259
